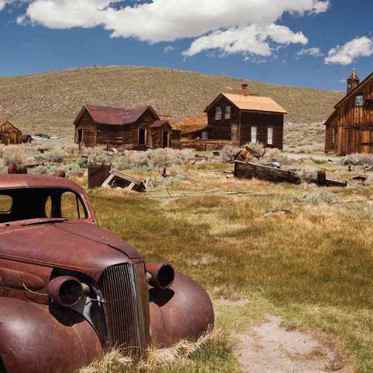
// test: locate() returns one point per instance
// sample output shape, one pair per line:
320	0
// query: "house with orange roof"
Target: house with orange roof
243	118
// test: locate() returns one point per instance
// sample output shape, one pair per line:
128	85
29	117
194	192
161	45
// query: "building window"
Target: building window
334	136
205	135
359	101
254	133
228	112
218	113
270	136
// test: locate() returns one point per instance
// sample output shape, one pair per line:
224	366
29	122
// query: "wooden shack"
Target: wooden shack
9	134
349	129
136	128
243	118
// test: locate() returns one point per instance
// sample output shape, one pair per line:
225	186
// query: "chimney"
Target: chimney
244	89
353	81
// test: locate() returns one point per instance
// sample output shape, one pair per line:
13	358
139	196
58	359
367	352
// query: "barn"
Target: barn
135	128
9	134
243	118
349	129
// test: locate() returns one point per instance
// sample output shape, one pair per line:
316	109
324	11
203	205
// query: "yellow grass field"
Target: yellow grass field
302	253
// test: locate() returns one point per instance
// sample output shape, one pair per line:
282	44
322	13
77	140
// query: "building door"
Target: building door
142	136
80	136
366	141
165	142
234	133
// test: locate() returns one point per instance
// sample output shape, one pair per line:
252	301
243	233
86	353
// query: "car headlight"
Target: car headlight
67	291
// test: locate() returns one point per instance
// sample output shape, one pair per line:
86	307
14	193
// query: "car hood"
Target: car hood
77	246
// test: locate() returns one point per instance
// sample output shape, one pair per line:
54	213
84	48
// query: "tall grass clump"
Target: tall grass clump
211	353
152	158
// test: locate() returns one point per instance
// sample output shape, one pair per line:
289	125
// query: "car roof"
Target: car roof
34	181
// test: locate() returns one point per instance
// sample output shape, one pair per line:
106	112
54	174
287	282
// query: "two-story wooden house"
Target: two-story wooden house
243	118
350	127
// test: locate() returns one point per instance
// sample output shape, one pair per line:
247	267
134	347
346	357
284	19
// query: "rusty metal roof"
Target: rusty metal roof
192	123
255	103
113	115
33	181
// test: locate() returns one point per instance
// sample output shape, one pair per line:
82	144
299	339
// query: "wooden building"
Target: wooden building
9	134
349	129
137	128
243	118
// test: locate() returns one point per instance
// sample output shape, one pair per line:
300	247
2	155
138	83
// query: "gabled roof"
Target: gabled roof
252	103
354	91
8	125
160	123
114	116
331	117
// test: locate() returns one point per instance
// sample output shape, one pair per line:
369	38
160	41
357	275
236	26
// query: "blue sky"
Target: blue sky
312	43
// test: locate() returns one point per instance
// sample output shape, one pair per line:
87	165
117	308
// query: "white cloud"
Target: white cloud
168	49
3	3
209	22
247	40
313	52
346	54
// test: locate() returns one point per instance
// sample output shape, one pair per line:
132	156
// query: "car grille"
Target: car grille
126	307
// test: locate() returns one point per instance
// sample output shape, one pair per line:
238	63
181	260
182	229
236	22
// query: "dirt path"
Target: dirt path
270	348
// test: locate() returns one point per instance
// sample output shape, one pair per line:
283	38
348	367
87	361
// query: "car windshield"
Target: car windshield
49	204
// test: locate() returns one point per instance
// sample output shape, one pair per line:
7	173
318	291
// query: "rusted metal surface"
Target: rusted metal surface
70	290
183	311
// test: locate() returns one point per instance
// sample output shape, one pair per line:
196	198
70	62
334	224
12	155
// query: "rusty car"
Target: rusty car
70	291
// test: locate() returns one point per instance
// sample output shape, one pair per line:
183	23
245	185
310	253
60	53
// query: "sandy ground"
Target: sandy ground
271	348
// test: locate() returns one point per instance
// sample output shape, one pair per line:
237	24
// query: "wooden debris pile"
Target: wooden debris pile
274	173
104	176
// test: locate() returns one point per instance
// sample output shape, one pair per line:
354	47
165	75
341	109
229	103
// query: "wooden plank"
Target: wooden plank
251	170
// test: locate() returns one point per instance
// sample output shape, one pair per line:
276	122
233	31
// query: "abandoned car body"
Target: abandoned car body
70	290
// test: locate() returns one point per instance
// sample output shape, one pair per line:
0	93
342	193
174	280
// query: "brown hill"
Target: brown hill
49	102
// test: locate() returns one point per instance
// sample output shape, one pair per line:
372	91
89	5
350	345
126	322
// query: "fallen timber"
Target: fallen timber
322	180
251	170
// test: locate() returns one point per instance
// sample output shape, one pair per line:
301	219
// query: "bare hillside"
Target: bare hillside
49	102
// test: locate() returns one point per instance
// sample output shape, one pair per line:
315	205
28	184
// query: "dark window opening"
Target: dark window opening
28	204
142	136
218	113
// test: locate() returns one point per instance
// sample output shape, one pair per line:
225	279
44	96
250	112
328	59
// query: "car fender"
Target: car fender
32	340
183	311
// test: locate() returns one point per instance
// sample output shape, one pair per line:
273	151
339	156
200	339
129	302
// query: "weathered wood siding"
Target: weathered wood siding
238	127
10	134
222	129
262	121
92	134
352	125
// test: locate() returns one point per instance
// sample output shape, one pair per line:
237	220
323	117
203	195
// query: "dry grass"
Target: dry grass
211	353
49	102
312	266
